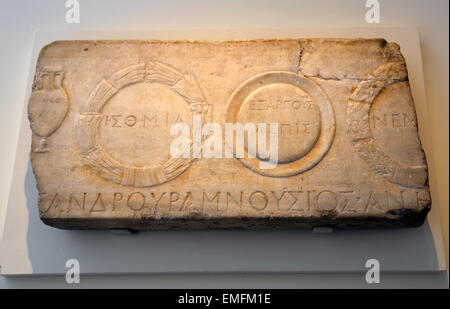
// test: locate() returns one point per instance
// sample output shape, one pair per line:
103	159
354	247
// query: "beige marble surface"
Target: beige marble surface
349	152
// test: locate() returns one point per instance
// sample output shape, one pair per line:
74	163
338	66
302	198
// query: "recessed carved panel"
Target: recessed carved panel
305	118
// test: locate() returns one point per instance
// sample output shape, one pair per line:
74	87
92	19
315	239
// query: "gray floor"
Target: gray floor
255	281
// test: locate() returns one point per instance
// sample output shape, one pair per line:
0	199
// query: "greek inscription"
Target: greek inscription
187	202
304	103
80	205
156	198
296	205
136	201
372	202
117	198
54	203
255	202
98	205
393	120
173	198
342	201
150	121
327	200
210	201
233	200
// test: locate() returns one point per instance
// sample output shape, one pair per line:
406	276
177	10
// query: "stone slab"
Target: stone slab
349	152
32	248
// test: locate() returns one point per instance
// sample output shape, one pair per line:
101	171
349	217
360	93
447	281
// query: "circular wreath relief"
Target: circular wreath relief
358	109
94	154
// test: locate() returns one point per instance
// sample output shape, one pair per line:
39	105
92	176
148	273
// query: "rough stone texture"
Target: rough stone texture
349	152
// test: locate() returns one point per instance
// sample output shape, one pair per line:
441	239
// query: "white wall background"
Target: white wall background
20	18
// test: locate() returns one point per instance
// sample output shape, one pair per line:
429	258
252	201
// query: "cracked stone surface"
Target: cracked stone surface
349	153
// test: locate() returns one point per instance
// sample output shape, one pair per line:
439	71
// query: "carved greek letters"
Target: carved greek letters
273	133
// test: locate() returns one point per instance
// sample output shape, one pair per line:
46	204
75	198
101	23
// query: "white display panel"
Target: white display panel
30	247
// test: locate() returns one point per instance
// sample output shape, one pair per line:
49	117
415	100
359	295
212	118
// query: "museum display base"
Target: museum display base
31	248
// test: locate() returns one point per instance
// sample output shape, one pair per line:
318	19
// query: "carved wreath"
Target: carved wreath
358	109
98	159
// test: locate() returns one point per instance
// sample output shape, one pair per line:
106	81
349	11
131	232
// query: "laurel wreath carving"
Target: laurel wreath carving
99	160
358	128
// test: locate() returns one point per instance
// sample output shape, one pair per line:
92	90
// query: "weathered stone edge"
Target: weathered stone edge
397	218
